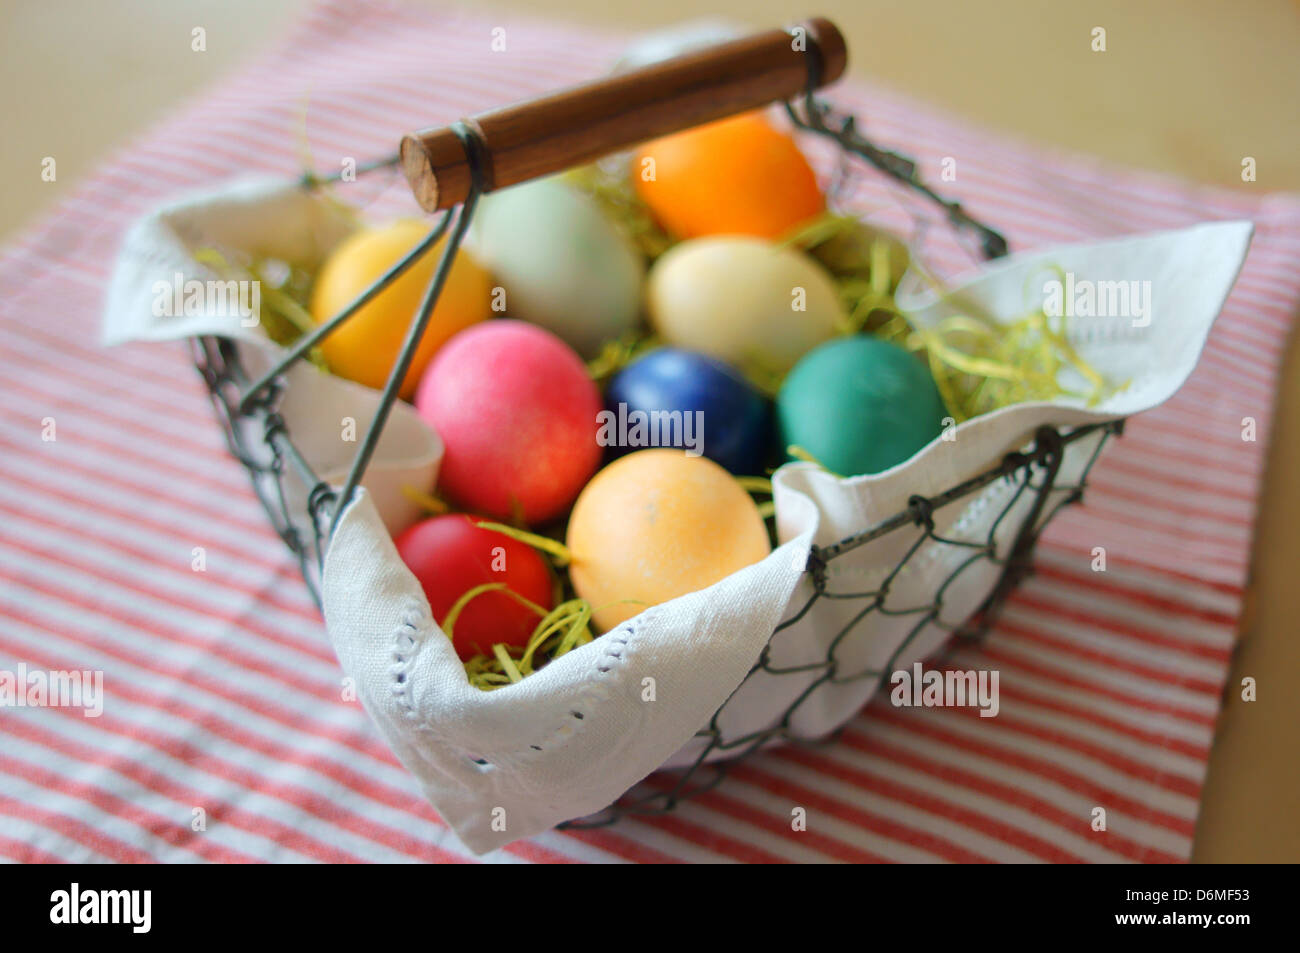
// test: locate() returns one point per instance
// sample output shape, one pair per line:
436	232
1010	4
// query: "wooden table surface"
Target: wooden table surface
1187	87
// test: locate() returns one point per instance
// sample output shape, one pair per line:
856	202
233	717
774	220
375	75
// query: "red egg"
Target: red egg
517	413
450	556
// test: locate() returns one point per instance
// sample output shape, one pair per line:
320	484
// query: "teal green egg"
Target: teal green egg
859	405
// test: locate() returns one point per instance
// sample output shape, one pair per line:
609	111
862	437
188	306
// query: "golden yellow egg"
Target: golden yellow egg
657	524
366	347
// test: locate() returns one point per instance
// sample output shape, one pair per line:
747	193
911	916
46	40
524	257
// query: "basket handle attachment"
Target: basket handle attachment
578	125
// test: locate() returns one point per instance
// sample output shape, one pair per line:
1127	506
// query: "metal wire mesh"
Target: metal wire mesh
298	502
302	507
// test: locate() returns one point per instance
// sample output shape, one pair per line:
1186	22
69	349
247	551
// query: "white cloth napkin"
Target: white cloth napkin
279	220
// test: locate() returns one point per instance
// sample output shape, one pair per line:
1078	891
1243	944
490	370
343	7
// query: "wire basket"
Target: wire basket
258	436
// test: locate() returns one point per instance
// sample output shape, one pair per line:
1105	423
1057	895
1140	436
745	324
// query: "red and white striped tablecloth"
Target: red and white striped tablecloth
222	693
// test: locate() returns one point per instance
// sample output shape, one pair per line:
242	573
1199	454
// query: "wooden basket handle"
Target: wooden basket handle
578	125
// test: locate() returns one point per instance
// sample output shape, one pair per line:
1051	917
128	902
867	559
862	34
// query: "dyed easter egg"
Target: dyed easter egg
657	524
450	556
692	401
366	346
517	412
859	405
745	301
562	264
736	176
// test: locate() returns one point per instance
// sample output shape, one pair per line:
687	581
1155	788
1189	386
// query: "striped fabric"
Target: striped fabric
222	693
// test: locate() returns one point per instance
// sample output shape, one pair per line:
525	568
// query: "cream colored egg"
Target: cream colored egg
743	300
561	263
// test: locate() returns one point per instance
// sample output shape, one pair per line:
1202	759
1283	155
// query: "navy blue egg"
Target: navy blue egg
696	397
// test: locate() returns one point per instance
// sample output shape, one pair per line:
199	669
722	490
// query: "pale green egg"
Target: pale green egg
561	263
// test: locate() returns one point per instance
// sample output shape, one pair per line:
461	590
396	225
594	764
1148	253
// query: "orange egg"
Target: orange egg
655	525
366	347
737	176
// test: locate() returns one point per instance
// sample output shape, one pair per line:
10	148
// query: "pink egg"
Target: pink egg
516	410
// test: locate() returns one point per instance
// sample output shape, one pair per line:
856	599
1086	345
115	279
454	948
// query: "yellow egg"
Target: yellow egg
657	524
746	301
366	347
